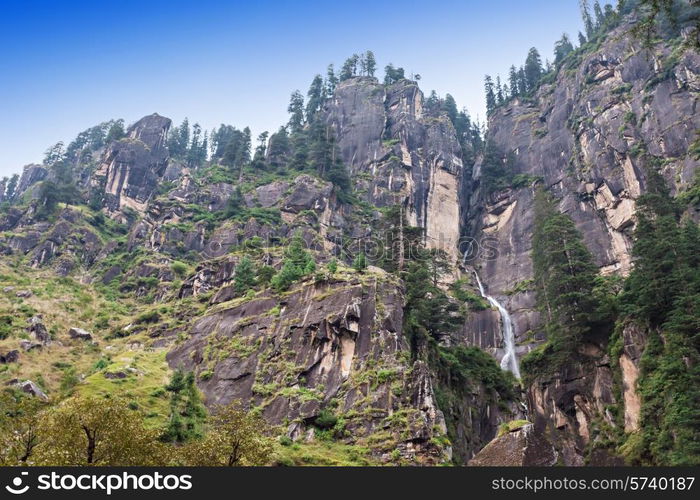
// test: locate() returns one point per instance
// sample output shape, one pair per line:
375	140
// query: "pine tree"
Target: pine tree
523	87
499	91
449	106
279	149
370	63
513	81
490	94
586	16
564	276
599	16
653	285
533	69
331	80
315	97
581	39
360	262
562	48
261	148
296	110
349	68
244	279
12	187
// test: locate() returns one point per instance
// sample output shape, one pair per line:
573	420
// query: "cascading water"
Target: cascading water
510	360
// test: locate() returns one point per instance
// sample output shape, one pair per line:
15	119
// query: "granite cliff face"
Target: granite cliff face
168	239
331	345
400	154
132	167
587	137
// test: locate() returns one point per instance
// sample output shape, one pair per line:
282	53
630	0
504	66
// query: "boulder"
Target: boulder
37	328
28	345
9	357
29	387
522	446
79	333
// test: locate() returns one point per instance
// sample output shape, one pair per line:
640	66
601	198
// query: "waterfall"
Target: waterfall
510	360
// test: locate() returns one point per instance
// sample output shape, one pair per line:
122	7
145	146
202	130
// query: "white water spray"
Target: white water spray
510	360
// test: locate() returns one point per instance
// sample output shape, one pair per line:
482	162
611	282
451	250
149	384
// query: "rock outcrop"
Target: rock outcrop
333	347
132	167
587	137
400	154
522	447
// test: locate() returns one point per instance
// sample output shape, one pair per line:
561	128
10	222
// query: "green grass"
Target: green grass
142	387
511	426
323	452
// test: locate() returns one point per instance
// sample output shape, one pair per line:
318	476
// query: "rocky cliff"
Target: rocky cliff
167	239
588	136
153	250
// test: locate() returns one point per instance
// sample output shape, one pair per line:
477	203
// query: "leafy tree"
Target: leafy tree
20	428
90	431
55	154
236	437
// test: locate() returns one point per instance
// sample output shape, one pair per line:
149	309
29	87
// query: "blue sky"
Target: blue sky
65	66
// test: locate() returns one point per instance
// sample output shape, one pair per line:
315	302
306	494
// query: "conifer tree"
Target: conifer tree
490	94
315	97
331	80
533	69
370	63
513	81
586	16
296	111
244	278
562	48
564	275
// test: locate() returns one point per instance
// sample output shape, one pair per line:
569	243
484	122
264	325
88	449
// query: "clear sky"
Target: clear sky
68	65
